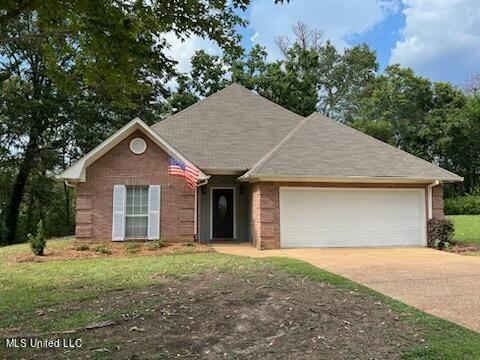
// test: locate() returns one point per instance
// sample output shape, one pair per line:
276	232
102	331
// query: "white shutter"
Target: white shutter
153	212
118	217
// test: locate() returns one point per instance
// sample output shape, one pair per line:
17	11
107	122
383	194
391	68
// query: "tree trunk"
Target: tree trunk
13	208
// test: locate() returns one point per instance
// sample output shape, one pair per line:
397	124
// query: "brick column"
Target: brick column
437	202
265	216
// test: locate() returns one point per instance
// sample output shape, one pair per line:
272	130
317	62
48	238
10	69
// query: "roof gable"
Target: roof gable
323	148
76	172
229	130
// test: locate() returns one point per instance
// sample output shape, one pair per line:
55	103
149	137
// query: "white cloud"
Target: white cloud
441	39
182	51
337	18
254	37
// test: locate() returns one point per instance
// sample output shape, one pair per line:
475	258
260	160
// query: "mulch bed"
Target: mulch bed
217	315
90	250
460	249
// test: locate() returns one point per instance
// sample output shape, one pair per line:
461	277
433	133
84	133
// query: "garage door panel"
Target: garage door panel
312	217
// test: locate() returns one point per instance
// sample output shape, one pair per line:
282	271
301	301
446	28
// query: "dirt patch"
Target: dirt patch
95	250
463	249
267	315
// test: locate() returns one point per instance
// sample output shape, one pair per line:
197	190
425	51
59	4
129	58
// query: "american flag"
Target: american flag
179	168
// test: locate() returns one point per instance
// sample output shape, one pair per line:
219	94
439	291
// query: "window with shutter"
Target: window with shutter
136	212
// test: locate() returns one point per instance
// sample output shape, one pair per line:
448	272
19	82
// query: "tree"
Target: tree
208	74
105	56
344	79
379	129
247	69
206	77
180	99
292	82
473	84
435	121
403	99
305	36
460	143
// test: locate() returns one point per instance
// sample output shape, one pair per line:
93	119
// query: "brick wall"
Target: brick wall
437	201
121	167
266	207
265	216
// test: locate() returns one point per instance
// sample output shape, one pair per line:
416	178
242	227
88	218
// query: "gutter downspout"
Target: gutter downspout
195	212
430	198
68	183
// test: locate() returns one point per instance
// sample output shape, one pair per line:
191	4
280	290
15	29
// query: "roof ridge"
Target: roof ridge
268	156
271	101
371	138
214	95
202	101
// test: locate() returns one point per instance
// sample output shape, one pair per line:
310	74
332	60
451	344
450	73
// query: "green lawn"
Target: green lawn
467	228
27	287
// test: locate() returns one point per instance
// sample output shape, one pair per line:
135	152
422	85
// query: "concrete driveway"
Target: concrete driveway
443	284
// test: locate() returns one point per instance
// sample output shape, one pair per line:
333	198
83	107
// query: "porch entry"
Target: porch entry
222	213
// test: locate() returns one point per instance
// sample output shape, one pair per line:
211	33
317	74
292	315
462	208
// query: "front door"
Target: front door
223	212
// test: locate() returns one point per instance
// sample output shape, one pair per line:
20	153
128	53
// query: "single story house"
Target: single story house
265	175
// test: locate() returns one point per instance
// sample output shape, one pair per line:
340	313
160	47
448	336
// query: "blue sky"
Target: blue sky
439	39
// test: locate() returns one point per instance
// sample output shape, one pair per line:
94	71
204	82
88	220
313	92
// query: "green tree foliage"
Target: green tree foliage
380	129
433	120
460	145
208	74
344	79
37	241
292	82
180	99
312	76
72	72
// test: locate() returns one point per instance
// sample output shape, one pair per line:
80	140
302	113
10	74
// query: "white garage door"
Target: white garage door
313	217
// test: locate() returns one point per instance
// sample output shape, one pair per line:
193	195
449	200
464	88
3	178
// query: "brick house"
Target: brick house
266	176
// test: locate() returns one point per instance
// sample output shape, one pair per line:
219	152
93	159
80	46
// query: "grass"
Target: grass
444	339
467	228
26	288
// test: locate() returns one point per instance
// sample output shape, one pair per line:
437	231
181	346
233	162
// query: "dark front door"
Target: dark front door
222	213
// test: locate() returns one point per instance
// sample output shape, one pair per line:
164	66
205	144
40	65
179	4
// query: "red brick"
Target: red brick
83	231
437	201
83	217
83	203
121	167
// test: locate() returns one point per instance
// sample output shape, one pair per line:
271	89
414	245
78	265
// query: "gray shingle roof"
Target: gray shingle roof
321	147
237	130
231	129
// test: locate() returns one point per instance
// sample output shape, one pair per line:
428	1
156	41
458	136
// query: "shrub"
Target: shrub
155	244
463	205
440	233
132	248
82	247
37	242
103	250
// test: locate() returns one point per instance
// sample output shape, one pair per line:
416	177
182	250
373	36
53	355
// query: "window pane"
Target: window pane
137	200
136	218
222	206
136	226
144	201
